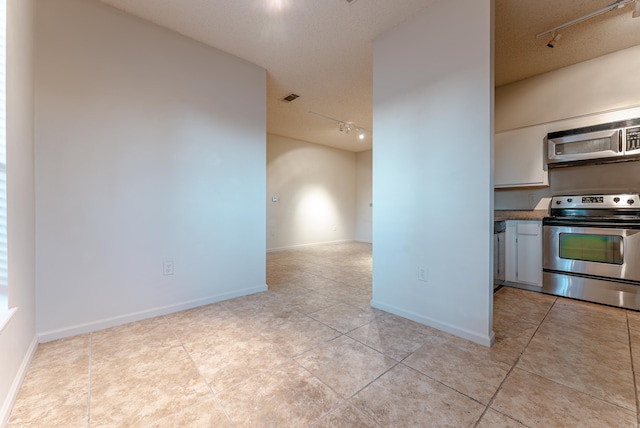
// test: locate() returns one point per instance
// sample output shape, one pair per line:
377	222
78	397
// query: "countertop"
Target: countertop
519	214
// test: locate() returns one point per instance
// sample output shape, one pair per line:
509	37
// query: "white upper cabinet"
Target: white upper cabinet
520	158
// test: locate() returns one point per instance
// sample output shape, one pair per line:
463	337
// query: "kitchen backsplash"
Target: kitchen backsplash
607	178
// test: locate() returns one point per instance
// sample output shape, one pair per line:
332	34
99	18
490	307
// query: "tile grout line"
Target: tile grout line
345	334
89	392
213	393
345	399
495	394
589	394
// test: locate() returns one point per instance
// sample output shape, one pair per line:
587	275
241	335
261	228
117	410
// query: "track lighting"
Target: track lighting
345	127
613	6
554	40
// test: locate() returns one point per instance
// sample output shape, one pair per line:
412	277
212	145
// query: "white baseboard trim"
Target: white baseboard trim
448	328
11	397
89	327
292	247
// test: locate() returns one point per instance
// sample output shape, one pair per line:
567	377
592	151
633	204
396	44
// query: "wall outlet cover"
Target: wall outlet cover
167	267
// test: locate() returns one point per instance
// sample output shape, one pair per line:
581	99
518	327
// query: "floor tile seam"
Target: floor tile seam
334	410
379	351
310	314
217	393
516	364
347	399
504	380
193	363
215	398
295	308
503	414
147	377
633	371
578	390
612	341
443	384
346	332
89	382
317	345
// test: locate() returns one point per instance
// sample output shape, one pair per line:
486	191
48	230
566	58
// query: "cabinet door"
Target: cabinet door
529	269
520	158
511	253
529	248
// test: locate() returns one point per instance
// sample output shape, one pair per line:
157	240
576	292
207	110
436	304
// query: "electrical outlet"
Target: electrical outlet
167	267
422	273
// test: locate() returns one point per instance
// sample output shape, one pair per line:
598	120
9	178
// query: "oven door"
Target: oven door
605	252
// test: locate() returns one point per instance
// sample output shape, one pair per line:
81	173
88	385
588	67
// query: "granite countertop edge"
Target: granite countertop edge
519	214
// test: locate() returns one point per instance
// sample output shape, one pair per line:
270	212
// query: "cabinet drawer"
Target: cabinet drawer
528	228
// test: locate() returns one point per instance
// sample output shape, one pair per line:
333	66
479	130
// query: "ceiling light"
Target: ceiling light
613	6
554	40
636	11
344	126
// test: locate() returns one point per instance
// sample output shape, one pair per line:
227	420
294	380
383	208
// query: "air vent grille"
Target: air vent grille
290	98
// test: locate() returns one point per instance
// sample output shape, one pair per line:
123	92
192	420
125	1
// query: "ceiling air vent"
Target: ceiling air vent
290	98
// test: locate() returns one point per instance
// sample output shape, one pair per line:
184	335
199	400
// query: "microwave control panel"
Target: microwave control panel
633	138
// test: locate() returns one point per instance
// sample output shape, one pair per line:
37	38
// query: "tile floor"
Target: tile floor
311	352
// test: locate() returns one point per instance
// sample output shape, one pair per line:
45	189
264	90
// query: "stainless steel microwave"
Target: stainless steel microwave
603	143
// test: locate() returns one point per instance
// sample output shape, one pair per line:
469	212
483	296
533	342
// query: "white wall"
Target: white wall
18	338
316	190
364	196
601	84
432	205
149	147
588	88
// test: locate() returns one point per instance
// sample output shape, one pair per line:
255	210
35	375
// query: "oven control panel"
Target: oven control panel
633	139
616	201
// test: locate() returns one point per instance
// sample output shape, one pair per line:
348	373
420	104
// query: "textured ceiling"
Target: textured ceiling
322	49
518	54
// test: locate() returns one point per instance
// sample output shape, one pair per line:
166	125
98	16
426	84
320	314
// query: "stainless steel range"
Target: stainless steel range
592	249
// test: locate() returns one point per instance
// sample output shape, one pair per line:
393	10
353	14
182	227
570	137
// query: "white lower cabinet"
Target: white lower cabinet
523	262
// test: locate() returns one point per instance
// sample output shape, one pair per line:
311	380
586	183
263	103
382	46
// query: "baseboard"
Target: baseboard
448	328
48	336
313	244
11	397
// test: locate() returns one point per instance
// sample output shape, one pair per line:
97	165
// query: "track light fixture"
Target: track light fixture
345	127
554	40
613	6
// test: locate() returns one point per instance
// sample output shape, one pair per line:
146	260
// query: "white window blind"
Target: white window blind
3	156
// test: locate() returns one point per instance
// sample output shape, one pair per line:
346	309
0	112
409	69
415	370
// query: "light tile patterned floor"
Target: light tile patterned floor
311	352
